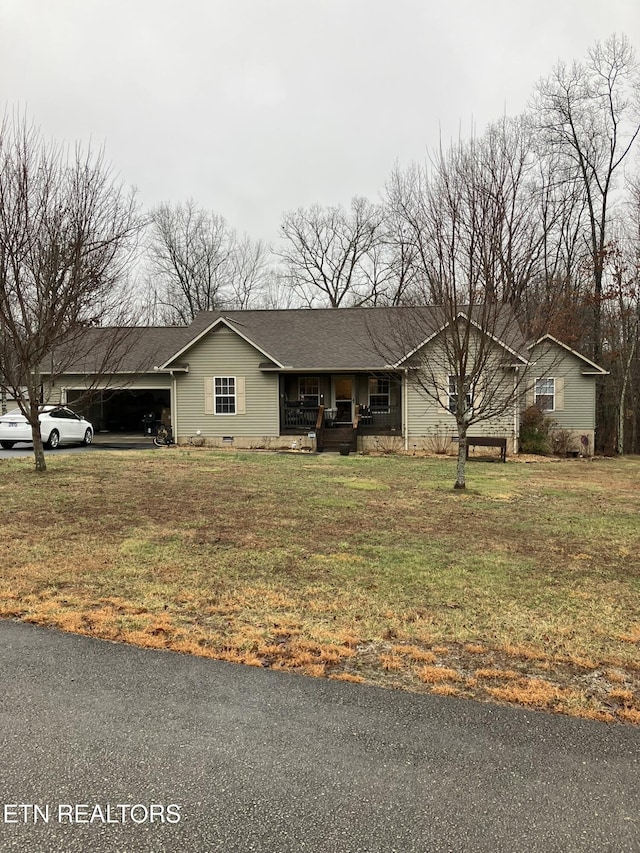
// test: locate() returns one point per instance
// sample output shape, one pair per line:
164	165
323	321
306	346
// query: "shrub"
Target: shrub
535	432
564	442
438	443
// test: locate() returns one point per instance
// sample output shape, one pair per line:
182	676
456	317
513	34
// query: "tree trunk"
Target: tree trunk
33	414
621	402
462	456
38	449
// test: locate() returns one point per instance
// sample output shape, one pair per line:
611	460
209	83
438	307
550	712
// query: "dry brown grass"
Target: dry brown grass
415	653
629	715
615	676
348	676
445	690
435	674
391	662
530	691
365	570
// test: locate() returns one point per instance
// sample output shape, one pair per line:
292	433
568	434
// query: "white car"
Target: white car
58	425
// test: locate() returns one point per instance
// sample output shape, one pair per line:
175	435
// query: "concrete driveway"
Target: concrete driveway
123	749
101	441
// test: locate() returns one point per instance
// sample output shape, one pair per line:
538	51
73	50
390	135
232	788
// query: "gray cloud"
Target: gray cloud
252	107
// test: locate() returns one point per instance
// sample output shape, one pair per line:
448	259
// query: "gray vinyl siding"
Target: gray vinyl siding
579	412
427	417
223	353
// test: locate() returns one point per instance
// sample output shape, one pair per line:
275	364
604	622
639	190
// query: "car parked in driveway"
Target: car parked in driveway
58	425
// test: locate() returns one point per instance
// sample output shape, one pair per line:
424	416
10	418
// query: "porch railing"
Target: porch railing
298	418
382	420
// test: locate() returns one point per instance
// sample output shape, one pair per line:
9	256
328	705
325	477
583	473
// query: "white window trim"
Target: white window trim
385	407
210	396
217	396
553	393
302	396
450	394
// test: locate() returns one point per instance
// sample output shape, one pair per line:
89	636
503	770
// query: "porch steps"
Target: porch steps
335	436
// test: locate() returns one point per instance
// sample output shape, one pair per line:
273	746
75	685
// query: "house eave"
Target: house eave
178	368
379	368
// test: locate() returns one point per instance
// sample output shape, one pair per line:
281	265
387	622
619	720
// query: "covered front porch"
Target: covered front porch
367	404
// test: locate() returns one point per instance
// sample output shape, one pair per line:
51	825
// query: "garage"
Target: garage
122	410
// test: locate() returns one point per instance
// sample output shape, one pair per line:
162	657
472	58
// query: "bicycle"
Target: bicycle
163	437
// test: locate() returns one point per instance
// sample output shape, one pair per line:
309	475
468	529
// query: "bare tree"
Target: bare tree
588	115
476	250
189	253
67	231
392	271
248	272
621	331
327	252
198	263
277	292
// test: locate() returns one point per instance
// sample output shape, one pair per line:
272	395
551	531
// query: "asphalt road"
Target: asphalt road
102	737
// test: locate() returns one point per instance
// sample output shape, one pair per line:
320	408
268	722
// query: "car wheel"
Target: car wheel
88	436
54	439
7	444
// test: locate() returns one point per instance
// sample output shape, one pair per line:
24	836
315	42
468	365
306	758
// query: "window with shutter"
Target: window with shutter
225	395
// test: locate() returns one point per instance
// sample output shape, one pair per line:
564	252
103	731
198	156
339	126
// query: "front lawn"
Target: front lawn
523	589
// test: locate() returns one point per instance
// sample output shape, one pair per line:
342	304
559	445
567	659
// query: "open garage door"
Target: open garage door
122	410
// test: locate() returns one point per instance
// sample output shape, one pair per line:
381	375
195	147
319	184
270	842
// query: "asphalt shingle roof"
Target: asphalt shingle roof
330	339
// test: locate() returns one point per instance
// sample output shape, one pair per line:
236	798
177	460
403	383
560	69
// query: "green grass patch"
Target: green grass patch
281	560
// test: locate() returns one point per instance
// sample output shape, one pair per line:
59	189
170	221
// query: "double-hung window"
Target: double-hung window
545	394
453	395
225	395
224	392
379	394
309	389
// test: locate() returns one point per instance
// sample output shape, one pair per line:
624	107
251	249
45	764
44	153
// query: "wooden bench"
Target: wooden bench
488	441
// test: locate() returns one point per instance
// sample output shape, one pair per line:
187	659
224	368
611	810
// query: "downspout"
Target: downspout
405	409
516	411
174	406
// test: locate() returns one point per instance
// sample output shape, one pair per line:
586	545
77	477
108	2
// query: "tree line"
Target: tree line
540	212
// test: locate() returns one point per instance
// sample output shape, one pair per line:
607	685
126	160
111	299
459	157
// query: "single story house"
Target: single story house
312	378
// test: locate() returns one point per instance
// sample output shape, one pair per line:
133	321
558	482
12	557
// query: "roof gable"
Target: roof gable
219	321
302	339
593	368
467	318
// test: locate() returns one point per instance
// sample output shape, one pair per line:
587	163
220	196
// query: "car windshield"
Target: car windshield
14	413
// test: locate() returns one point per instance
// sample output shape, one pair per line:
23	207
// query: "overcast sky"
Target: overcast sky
254	107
